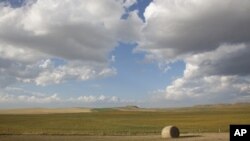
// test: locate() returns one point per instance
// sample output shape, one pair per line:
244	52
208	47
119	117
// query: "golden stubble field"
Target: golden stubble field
183	137
43	111
203	123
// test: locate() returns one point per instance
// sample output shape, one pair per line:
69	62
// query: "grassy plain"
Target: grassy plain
131	121
184	137
44	111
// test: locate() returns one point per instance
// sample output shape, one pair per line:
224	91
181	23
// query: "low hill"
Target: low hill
125	108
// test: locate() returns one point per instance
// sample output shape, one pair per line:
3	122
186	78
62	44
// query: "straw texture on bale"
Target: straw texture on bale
170	132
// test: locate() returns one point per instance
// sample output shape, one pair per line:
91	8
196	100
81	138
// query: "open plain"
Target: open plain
183	137
202	123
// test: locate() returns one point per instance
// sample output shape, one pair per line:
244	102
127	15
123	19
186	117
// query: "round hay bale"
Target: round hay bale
170	132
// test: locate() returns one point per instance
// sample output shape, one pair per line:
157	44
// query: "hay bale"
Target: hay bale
170	132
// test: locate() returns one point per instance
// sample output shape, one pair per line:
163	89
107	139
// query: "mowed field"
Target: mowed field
108	123
183	137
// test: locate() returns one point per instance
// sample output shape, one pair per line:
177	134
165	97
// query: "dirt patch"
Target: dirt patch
183	137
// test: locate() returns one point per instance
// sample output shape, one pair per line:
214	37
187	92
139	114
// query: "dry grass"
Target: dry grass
105	122
183	137
44	111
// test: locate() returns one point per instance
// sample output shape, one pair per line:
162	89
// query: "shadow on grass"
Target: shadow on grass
190	136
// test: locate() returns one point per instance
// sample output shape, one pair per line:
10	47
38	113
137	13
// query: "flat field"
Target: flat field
183	137
117	122
43	111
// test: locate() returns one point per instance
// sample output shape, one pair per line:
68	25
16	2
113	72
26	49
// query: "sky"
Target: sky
107	53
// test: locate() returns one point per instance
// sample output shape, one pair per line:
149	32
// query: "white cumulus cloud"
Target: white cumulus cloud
81	34
12	97
211	37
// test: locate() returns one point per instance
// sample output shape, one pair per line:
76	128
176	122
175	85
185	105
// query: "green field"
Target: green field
127	122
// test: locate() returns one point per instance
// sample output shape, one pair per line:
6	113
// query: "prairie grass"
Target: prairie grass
102	122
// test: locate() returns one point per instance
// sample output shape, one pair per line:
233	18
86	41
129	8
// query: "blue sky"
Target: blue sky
136	79
123	52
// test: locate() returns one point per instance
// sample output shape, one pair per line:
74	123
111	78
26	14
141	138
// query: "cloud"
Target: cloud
96	99
221	75
227	59
12	97
211	37
18	95
70	30
176	28
71	71
53	41
128	30
45	72
129	3
80	34
209	89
